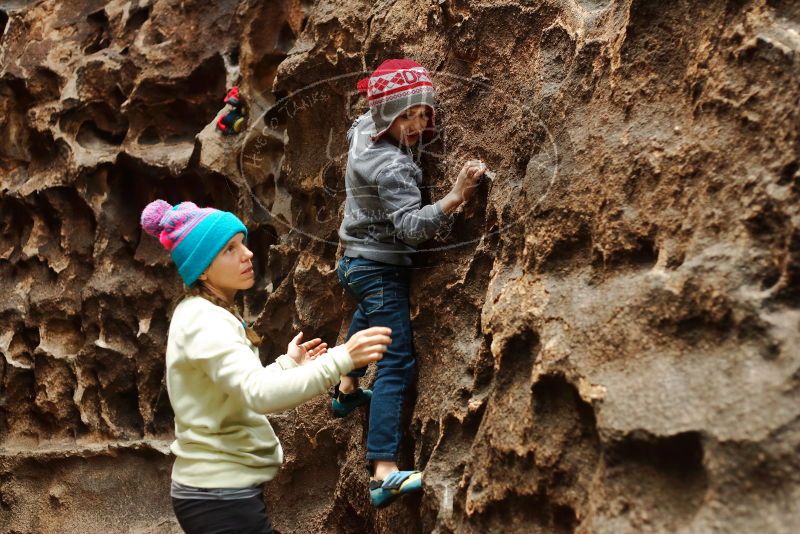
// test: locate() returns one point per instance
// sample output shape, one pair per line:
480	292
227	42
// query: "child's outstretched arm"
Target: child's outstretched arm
401	199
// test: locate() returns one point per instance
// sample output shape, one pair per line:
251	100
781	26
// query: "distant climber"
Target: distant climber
232	122
225	449
384	221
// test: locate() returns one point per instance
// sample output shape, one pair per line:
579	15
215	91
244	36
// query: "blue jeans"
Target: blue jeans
381	291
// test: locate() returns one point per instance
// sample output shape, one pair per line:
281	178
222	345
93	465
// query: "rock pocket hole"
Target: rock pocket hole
265	71
520	513
15	227
44	84
259	241
564	519
265	191
152	136
557	51
99	35
177	138
149	136
234	55
428	436
789	173
640	254
92	136
644	254
44	149
560	409
679	456
518	356
286	39
119	393
154	37
5	502
23	345
572	249
665	472
137	18
770	277
702	325
3	24
768	221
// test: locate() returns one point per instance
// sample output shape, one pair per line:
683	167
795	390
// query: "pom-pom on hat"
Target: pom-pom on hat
395	86
193	236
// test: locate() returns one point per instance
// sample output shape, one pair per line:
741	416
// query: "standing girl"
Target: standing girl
225	448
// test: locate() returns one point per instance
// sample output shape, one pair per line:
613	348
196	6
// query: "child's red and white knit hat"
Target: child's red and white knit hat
395	86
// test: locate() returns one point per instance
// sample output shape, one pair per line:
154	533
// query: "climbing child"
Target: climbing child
384	221
225	448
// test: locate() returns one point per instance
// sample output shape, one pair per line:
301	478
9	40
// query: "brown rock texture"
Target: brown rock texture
608	339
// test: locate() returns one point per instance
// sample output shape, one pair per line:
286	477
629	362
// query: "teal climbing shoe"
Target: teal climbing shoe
384	492
344	403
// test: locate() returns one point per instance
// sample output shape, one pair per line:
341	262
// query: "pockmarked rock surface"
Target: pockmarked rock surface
608	338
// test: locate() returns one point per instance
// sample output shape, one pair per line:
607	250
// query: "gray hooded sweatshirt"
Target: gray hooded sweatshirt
384	219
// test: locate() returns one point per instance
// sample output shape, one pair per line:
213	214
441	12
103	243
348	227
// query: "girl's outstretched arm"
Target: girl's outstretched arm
213	343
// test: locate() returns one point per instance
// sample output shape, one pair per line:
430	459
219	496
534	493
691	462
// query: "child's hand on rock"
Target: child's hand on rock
303	353
464	188
368	345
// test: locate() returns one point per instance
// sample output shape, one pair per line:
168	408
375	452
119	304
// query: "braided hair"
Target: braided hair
200	290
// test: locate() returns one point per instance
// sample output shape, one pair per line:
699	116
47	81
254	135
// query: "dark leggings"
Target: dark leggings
237	516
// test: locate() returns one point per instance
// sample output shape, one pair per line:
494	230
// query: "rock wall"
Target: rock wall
607	339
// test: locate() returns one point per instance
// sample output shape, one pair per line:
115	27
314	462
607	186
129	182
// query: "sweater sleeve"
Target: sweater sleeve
402	202
284	361
215	345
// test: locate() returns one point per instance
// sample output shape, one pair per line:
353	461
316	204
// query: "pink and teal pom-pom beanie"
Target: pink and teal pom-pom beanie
193	236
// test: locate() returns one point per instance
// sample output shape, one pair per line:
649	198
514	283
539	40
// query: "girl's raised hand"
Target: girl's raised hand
303	353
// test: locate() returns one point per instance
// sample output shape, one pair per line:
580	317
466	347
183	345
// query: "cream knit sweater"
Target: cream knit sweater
220	391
